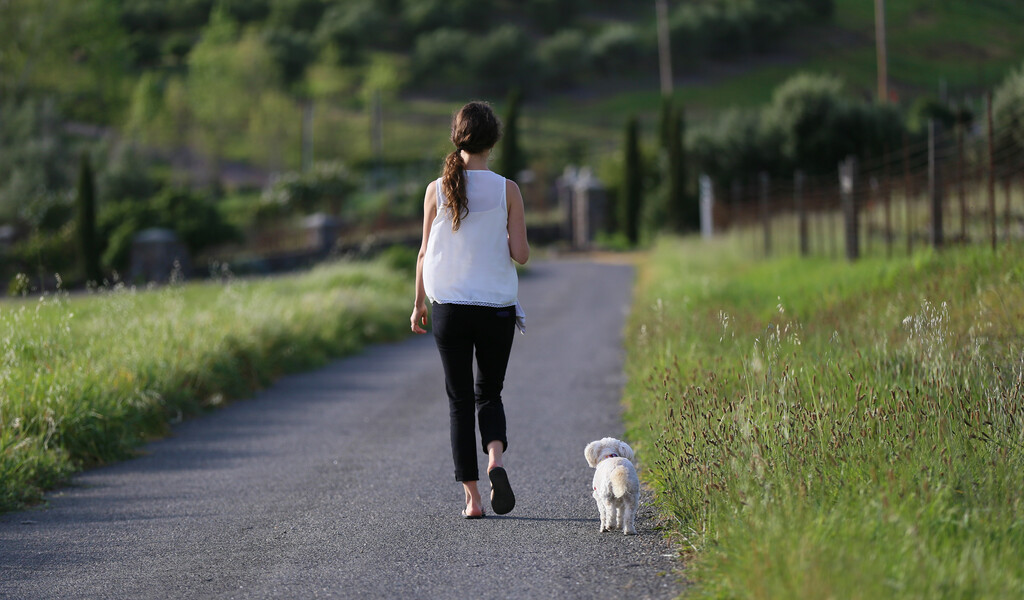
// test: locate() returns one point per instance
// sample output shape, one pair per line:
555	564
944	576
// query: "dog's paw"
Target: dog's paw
629	531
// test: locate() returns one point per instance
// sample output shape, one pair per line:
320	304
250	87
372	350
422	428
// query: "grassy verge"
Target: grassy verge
821	429
85	379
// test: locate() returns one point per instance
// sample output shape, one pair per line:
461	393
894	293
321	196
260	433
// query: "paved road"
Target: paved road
338	483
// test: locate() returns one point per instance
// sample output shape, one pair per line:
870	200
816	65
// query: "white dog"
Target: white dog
616	486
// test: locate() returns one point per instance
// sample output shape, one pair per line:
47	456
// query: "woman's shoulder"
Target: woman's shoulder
430	195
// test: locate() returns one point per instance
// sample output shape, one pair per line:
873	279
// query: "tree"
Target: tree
511	156
228	74
632	188
679	206
1008	110
87	221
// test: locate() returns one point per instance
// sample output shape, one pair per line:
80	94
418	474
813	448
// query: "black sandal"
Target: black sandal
502	498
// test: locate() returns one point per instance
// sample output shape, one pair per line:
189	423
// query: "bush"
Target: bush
1008	110
734	145
503	58
400	258
804	111
440	56
351	27
419	16
618	47
564	58
323	188
809	125
552	14
195	219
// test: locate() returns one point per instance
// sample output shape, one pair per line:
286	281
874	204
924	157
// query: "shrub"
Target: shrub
503	58
805	111
1008	110
419	16
441	56
551	14
324	187
195	219
618	47
734	145
351	27
564	58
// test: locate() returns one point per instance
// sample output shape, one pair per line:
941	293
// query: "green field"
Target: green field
87	378
821	429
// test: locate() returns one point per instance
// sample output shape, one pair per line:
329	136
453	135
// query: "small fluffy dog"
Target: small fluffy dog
616	486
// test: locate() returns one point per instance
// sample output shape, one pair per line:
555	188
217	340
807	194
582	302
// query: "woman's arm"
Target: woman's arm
419	309
518	246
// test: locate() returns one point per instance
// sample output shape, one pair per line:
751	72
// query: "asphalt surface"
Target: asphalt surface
339	483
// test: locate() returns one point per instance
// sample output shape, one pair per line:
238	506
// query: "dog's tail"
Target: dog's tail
620	481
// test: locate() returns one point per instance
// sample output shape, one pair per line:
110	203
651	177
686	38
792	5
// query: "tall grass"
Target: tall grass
822	429
85	379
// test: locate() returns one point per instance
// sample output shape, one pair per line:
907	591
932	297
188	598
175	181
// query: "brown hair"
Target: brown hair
475	128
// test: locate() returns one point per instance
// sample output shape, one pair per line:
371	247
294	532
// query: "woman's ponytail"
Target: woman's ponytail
475	129
453	184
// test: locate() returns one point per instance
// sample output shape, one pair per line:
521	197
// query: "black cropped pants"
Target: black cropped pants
460	330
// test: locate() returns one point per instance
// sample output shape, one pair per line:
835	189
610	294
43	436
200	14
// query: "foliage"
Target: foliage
734	145
564	59
631	196
680	205
441	55
43	253
822	429
810	124
352	27
89	378
503	58
420	16
195	219
730	28
325	187
34	157
511	161
1008	110
619	46
806	110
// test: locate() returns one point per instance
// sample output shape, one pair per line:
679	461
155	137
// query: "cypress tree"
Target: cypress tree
681	209
632	193
674	177
689	201
511	159
87	221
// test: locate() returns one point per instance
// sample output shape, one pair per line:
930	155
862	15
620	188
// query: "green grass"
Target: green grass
85	379
817	429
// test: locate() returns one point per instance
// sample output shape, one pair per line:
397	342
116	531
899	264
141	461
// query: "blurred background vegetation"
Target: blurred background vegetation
229	121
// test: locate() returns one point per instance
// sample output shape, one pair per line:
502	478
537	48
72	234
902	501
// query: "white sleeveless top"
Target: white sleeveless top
472	265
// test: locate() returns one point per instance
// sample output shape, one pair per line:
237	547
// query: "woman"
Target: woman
473	228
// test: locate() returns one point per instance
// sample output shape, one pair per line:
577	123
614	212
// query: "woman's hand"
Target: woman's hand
419	318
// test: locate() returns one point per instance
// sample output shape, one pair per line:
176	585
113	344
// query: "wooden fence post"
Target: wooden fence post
1007	185
935	191
960	186
847	173
801	212
766	217
907	193
991	174
887	199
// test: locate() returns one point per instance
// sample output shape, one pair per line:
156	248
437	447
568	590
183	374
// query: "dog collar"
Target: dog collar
611	456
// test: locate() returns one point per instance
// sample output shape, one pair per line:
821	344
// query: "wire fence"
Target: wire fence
954	187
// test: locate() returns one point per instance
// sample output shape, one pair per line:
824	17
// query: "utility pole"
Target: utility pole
883	61
664	48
